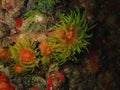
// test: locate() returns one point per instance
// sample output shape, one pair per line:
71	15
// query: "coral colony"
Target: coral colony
43	42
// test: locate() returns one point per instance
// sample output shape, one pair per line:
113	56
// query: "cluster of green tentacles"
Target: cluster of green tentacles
78	24
72	39
24	44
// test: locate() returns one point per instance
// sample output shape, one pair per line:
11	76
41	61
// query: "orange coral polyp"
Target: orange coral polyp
45	49
69	35
2	52
18	68
27	56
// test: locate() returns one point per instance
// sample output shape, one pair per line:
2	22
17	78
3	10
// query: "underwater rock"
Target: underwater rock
4	30
55	81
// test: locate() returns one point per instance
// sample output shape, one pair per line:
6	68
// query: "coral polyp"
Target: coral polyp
24	54
2	52
45	49
46	52
18	68
71	35
27	56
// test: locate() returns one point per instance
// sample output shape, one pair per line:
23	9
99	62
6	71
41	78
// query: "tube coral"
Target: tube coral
46	52
71	35
27	56
45	49
5	55
18	68
33	16
24	54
